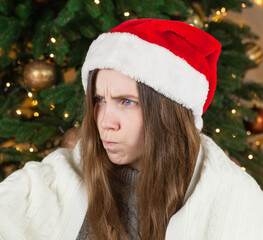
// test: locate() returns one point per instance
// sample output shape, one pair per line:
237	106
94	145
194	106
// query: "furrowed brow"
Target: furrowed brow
125	96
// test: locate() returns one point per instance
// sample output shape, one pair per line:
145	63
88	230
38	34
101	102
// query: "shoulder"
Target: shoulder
35	192
223	168
237	198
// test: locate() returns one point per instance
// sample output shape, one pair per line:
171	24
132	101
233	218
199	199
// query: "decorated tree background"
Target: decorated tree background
43	44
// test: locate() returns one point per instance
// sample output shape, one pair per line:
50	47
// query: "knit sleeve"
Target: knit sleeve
31	198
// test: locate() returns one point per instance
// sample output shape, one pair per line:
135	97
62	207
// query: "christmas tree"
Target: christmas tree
43	44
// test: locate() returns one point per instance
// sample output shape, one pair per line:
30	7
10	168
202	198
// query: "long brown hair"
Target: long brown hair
171	148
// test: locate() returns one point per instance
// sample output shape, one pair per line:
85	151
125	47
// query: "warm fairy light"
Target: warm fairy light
234	135
36	114
258	2
8	84
243	5
243	168
257	143
18	149
238	104
97	1
223	9
51	55
240	25
53	40
248	133
250	156
31	149
18	112
218	12
76	124
34	102
206	25
217	130
234	75
126	14
29	45
30	94
52	107
66	115
234	111
18	62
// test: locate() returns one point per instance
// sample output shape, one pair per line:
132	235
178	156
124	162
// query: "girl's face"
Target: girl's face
118	116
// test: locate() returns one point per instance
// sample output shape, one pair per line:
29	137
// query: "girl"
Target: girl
142	169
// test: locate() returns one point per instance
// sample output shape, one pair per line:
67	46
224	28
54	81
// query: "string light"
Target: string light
234	111
126	14
218	12
34	102
66	115
243	5
18	149
257	143
31	149
52	107
29	45
36	114
234	135
250	156
248	133
30	94
18	111
234	75
76	124
18	62
258	2
217	130
206	25
223	10
243	168
51	55
53	40
8	84
97	1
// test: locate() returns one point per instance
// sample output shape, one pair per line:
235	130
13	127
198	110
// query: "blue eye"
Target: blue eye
100	99
128	102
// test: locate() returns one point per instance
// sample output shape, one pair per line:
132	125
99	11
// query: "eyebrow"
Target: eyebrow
122	96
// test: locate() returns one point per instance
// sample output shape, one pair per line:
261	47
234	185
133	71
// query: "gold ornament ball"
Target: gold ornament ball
39	75
255	126
254	52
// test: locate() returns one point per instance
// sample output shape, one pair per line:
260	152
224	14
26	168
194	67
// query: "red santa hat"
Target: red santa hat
174	58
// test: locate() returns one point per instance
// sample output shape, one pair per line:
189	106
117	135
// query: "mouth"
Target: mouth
108	144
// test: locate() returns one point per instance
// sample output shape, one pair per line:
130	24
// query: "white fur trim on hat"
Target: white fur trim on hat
152	65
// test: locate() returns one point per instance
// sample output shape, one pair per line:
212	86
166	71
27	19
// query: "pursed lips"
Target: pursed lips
108	143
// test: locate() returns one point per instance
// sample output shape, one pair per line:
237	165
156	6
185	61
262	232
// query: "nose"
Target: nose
110	120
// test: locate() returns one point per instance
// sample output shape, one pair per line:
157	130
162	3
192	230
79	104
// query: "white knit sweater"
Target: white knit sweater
48	200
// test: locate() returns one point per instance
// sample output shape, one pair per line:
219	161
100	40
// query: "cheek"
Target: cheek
134	128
